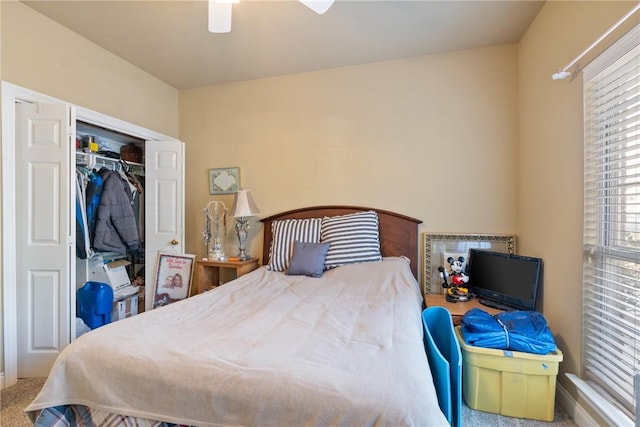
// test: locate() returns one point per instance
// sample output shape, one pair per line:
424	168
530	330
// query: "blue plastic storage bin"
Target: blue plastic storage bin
445	361
94	302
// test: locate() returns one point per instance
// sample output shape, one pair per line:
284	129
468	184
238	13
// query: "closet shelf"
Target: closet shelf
91	160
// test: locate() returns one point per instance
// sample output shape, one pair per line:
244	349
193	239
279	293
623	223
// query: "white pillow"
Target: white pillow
286	231
353	238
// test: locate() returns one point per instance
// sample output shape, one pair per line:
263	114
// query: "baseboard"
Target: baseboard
576	411
1	380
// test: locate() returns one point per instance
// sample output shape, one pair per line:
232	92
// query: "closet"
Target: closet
109	160
41	266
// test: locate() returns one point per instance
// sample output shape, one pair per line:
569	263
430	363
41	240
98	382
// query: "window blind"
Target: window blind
611	270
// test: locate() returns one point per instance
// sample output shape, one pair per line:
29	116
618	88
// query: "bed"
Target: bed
344	348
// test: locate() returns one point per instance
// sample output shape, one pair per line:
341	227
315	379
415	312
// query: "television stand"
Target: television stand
496	305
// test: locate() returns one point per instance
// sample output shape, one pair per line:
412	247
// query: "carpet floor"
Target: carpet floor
14	399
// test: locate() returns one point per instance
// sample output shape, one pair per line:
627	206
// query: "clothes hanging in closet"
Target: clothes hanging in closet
83	243
93	194
90	186
116	228
137	187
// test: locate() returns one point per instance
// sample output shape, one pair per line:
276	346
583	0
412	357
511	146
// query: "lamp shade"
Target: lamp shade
243	205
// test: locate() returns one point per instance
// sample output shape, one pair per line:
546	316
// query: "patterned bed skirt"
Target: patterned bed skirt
84	416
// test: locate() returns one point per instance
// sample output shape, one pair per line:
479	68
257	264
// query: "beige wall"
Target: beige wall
550	159
432	137
43	56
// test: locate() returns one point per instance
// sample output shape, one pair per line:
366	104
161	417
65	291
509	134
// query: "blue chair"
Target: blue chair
445	361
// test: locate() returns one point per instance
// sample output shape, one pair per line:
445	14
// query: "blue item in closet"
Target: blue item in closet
92	200
94	302
445	361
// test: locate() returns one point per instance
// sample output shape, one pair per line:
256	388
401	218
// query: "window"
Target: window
611	272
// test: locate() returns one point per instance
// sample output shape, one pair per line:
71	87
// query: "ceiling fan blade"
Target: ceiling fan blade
219	16
318	6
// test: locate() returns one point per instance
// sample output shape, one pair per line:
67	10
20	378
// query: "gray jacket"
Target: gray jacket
116	229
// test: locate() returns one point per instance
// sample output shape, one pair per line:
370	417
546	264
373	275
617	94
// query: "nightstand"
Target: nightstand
457	309
207	274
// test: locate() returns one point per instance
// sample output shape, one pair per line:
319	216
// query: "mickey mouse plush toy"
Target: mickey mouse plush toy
456	291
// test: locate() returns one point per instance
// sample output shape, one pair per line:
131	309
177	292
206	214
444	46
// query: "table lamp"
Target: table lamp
243	207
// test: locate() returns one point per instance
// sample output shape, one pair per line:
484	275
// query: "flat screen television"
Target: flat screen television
504	281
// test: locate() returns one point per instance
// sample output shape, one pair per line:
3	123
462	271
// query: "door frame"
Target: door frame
11	94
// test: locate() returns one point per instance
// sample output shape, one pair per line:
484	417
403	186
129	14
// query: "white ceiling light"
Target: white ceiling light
220	15
318	6
220	12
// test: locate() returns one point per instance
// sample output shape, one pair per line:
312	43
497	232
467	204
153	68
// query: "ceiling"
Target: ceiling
170	40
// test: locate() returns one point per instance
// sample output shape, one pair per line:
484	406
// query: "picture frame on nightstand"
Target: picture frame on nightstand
437	247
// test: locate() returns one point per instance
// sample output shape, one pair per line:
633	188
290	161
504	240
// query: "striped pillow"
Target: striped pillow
353	238
284	233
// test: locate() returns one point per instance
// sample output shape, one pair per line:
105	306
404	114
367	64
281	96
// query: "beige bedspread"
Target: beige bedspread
266	349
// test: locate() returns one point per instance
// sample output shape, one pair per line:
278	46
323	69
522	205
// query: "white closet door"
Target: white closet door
164	204
43	240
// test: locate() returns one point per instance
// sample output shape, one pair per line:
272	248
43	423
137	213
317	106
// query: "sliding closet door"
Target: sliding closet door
43	242
164	204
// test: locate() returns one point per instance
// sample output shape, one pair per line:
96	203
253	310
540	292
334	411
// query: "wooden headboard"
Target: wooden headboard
398	233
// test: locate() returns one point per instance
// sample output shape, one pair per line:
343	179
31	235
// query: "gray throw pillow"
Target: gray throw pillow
308	259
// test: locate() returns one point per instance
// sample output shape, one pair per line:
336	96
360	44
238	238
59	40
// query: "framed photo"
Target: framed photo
439	247
173	278
224	180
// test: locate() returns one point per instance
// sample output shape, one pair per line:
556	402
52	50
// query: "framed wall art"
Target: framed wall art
224	180
173	278
438	247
